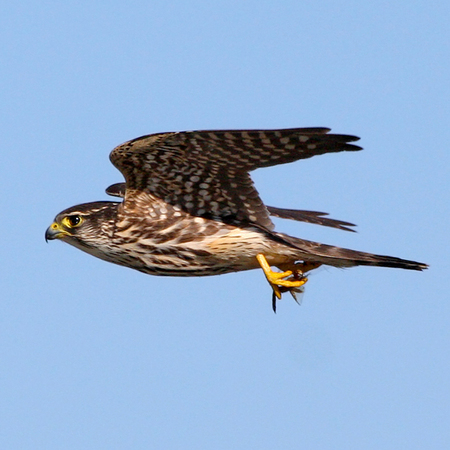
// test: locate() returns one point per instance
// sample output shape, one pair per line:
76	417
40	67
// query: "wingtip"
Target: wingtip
116	190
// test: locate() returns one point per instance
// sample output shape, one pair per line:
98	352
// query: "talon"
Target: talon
278	281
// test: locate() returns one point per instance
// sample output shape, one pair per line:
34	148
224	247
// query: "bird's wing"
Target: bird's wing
315	217
116	190
205	173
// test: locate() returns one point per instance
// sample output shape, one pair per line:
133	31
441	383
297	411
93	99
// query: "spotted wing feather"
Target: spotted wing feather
205	173
315	217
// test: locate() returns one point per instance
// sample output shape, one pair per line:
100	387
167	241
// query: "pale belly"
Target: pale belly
228	250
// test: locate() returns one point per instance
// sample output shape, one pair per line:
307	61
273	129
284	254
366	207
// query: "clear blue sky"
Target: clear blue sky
95	356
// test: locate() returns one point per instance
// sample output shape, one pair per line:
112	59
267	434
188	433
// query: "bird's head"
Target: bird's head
88	227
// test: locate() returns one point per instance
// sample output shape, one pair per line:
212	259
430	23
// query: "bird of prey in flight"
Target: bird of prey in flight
190	208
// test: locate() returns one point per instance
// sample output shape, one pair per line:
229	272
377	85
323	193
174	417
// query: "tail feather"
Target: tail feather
368	259
344	257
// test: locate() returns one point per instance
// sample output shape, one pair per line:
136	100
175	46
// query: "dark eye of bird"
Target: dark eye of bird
74	220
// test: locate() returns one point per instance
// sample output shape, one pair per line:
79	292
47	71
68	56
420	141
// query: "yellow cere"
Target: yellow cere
60	232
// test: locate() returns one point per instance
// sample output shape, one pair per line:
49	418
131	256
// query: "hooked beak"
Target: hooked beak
54	231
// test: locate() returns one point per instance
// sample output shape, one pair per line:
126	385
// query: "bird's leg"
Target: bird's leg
277	280
280	285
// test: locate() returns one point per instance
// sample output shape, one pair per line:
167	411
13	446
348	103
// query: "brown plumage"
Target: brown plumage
190	208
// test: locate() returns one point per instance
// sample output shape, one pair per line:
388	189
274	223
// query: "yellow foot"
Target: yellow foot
282	281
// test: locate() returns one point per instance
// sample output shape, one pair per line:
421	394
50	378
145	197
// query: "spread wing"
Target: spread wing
206	173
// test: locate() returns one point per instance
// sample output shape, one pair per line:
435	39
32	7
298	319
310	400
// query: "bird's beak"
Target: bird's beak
54	231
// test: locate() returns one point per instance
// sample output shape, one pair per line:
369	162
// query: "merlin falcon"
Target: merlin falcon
190	208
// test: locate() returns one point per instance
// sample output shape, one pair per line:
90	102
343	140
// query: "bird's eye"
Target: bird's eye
73	221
